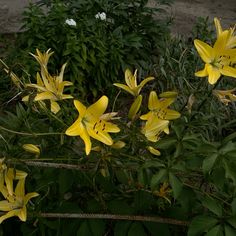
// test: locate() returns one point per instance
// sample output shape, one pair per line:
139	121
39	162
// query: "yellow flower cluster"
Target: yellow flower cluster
48	87
15	200
219	60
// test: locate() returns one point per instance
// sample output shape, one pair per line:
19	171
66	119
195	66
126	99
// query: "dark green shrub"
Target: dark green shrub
97	51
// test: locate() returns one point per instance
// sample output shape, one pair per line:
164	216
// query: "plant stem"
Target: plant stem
114	217
28	134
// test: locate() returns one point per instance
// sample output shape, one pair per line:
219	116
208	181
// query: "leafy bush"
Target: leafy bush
97	49
163	165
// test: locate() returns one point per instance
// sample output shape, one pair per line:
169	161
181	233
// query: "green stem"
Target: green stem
28	134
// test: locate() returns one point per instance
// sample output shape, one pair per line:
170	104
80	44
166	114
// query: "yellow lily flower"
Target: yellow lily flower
228	35
158	117
42	58
92	123
16	205
7	175
131	81
225	96
218	61
49	87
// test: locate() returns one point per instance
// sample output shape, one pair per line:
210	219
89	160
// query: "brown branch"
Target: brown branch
115	217
54	165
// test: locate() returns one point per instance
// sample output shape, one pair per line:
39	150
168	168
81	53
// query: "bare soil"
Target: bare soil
184	12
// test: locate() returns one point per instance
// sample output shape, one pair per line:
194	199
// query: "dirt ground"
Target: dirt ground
184	12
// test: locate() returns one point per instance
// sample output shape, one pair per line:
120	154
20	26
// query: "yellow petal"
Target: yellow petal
214	74
85	136
125	87
9	176
31	148
110	127
202	73
80	107
153	151
60	77
130	79
6	206
8	215
101	136
218	26
75	129
171	115
22	214
146	116
28	196
44	96
153	102
143	83
205	51
20	188
228	71
168	94
98	108
135	107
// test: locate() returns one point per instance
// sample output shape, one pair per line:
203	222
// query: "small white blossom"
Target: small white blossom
70	22
101	16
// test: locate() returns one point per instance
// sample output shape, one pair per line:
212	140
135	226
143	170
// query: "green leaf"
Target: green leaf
232	221
65	181
136	229
157	178
229	147
120	207
97	227
84	229
208	163
230	171
175	184
156	229
121	228
201	224
166	143
229	231
233	206
212	205
122	176
215	231
155	163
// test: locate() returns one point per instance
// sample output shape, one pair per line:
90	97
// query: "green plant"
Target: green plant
164	165
97	50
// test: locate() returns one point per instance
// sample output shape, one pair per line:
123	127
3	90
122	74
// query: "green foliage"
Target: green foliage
189	188
97	51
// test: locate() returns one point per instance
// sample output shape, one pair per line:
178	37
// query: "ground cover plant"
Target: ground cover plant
158	158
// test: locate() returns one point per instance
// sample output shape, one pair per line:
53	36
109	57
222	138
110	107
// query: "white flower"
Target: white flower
101	16
70	22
